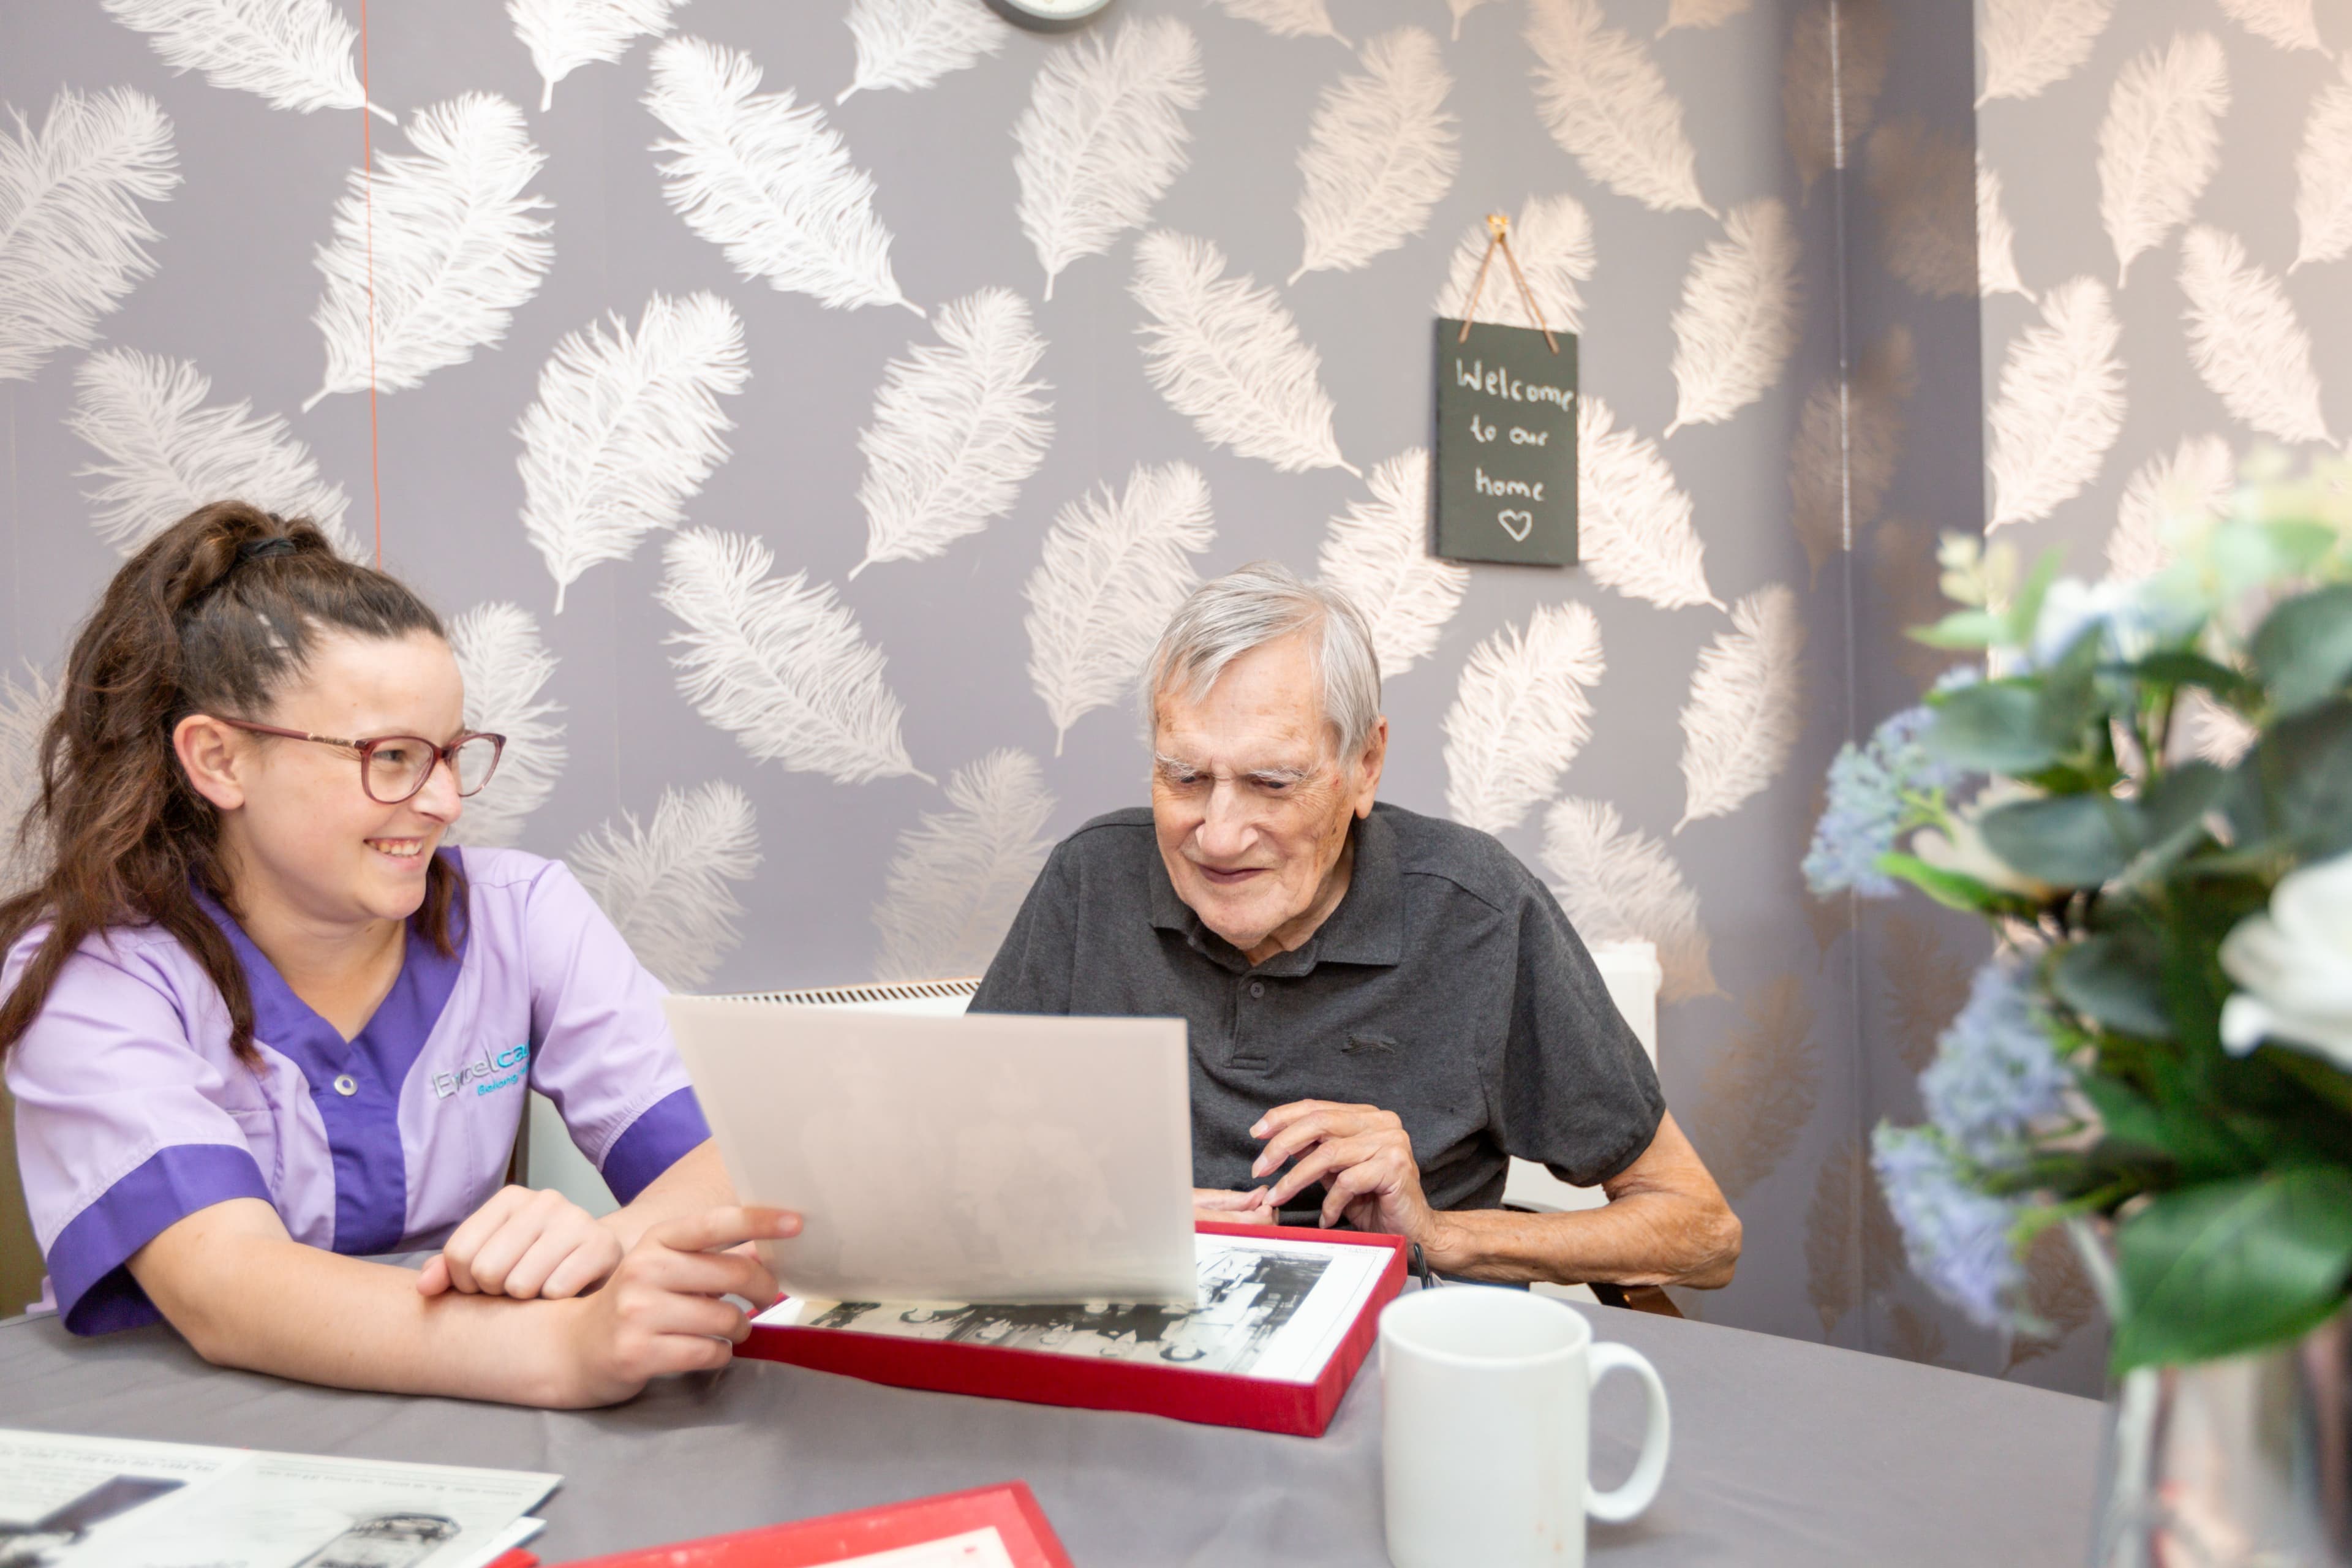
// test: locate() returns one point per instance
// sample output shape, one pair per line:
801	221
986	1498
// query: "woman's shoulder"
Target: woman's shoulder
135	946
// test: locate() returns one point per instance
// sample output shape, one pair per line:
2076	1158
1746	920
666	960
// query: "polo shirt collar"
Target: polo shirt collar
1367	928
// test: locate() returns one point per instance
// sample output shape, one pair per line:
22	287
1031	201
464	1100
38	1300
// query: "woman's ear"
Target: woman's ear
211	754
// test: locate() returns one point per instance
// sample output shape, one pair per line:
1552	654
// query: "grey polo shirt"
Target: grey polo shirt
1447	987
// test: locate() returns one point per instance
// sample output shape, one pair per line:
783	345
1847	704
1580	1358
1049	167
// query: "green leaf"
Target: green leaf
2231	1267
2125	1115
2025	608
2290	787
2304	649
2177	667
1990	727
2172	815
2069	840
2115	978
1952	890
1962	630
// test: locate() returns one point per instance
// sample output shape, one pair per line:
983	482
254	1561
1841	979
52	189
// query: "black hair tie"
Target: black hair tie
256	549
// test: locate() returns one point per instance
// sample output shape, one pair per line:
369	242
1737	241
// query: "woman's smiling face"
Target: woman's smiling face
297	826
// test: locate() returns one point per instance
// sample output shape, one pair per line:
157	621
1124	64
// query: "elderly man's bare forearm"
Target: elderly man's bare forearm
1643	1239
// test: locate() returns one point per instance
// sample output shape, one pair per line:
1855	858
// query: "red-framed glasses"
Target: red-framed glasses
392	768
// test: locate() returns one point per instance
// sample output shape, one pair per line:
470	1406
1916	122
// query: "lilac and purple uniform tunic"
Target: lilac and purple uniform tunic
133	1113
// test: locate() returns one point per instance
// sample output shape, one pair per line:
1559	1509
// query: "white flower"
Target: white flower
2296	964
2133	618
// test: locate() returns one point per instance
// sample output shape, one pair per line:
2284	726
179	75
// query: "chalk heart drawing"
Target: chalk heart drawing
1517	525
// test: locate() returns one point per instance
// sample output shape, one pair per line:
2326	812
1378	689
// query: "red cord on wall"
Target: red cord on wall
367	199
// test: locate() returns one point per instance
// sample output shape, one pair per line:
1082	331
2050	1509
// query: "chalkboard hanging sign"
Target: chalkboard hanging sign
1505	475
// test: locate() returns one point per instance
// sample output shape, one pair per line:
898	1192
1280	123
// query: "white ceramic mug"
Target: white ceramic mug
1485	1437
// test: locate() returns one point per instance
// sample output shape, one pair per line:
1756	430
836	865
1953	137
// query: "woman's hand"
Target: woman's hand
1219	1206
523	1244
661	1313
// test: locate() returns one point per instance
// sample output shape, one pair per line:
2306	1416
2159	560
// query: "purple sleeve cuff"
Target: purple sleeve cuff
87	1263
663	1132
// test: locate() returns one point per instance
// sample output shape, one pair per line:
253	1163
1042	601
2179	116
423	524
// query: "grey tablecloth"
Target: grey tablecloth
1783	1453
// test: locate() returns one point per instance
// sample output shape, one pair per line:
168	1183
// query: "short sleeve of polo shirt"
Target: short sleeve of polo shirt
122	1128
1578	1092
1030	971
601	1048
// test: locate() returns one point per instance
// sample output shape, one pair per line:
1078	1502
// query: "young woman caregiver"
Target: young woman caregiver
258	1025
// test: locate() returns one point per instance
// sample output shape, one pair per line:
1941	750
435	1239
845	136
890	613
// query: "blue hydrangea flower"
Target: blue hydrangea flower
1867	783
1956	1237
1996	1072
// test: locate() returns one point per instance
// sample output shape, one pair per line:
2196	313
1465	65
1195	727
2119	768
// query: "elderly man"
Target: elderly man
1382	1006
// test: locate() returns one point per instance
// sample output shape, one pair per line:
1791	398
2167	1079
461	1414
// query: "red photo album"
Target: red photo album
993	1527
1285	1318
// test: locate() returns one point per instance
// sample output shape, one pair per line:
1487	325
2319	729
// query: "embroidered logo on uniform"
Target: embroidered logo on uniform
483	1073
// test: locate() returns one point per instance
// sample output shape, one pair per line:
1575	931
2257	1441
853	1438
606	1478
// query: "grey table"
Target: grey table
1783	1453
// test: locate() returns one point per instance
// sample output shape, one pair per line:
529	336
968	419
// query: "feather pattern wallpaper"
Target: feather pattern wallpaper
805	417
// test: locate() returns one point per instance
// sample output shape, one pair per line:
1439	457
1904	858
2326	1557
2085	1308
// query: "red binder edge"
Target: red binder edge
1041	1377
1010	1507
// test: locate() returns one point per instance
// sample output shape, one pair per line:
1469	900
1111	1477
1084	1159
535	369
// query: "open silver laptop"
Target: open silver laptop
973	1158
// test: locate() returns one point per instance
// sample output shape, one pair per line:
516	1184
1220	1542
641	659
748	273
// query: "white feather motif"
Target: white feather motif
2219	735
72	239
2170	495
768	183
2289	24
1376	554
664	885
1633	530
1923	183
564	35
1831	76
1996	239
1738	316
1461	8
2160	143
1285	18
778	664
910	44
1381	150
2062	403
443	243
164	453
1552	237
1605	102
956	429
2030	43
1520	715
624	429
2322	171
25	712
296	54
1702	14
1115	568
1617	885
1226	354
1103	137
2245	342
960	875
505	666
1747	705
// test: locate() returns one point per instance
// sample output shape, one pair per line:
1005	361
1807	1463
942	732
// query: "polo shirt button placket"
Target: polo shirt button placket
1257	988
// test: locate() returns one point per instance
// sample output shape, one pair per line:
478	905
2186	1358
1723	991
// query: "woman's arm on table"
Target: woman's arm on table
245	1294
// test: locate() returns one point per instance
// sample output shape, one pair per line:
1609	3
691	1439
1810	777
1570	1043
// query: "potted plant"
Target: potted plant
2147	790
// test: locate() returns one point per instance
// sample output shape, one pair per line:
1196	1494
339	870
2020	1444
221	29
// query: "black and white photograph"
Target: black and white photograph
1265	1310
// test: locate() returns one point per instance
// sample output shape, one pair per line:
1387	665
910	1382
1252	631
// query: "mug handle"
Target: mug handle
1641	1488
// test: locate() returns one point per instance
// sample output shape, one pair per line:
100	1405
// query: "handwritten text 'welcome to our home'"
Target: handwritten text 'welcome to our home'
1501	383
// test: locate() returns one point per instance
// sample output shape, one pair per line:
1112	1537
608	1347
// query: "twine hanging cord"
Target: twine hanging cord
1498	237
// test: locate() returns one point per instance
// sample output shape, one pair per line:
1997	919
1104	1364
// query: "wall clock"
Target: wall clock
1049	15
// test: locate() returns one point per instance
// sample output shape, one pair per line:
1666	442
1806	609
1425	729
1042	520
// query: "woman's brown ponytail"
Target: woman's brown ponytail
217	613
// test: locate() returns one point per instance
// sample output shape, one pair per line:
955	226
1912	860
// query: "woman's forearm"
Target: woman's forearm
245	1294
696	1181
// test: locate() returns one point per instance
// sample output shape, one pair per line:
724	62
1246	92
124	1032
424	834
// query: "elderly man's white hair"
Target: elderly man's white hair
1264	602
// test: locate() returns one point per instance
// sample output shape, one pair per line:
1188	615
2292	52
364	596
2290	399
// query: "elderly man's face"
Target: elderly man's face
1251	806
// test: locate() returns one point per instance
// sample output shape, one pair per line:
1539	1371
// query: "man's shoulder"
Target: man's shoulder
1472	861
1114	838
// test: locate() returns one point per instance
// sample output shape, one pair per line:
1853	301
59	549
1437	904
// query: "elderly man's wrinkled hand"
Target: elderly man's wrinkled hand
1360	1153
